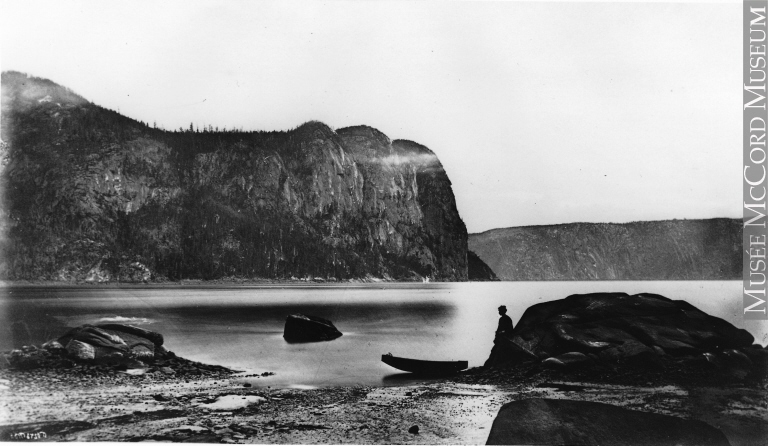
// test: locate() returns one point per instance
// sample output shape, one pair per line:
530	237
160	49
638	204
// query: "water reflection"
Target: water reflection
404	379
242	327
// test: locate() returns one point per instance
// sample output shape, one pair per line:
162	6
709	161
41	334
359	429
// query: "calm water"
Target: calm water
242	327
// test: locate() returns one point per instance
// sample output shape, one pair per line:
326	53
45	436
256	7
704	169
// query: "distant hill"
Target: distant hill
91	195
648	250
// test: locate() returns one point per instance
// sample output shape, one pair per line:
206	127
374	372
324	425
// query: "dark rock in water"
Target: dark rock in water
560	422
302	328
413	430
619	328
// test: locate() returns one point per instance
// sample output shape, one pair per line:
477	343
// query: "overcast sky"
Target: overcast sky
541	113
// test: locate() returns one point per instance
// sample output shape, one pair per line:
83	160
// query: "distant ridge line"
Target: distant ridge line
688	249
605	223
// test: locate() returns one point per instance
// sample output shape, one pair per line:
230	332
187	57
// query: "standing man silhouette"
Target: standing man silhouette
505	322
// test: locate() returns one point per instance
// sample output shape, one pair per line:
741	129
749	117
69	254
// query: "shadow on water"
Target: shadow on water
294	341
404	379
44	314
336	312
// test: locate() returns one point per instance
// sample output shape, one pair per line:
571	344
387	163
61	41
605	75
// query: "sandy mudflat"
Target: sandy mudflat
445	412
119	407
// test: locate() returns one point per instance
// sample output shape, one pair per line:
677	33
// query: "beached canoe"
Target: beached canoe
424	367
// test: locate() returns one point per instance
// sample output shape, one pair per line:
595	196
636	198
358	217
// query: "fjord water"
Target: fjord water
242	327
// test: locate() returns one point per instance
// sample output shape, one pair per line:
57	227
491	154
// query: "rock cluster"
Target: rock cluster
616	329
100	350
111	343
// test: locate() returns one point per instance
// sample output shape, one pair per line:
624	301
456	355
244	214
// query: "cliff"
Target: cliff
651	250
92	195
477	270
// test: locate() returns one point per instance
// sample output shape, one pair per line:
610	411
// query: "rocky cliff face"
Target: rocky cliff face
651	250
93	195
477	270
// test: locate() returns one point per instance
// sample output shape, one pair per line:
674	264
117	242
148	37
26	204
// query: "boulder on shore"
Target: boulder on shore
80	350
154	337
618	329
303	328
110	342
566	422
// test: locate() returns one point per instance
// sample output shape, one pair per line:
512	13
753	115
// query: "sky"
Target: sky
540	112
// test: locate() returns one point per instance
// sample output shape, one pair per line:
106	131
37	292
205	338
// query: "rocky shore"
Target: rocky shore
90	404
48	394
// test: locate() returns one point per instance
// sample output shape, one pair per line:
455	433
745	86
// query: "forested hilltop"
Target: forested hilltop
648	250
91	195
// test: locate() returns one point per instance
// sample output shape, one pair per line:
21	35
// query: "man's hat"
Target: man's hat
503	307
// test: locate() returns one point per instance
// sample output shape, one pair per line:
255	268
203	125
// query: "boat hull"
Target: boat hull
422	367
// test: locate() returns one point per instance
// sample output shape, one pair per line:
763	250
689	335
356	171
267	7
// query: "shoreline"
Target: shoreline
219	283
457	410
234	283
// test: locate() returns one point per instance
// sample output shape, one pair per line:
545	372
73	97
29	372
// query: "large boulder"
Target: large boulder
110	341
80	350
561	422
154	337
619	328
303	328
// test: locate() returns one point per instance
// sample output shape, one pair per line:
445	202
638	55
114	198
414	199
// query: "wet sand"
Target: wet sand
120	407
